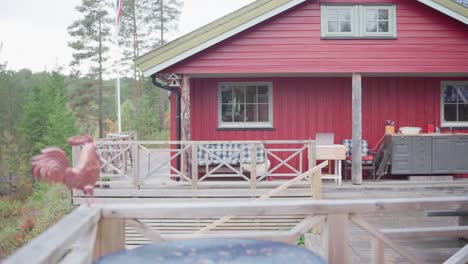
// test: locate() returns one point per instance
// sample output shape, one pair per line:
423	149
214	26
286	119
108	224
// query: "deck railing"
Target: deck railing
129	163
89	233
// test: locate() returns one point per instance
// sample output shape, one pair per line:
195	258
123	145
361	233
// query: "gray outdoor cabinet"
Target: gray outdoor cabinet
401	155
460	149
428	154
422	154
442	160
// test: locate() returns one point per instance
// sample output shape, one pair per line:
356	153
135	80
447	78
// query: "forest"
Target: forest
41	109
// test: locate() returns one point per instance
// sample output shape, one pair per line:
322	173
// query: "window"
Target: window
358	21
454	104
245	105
340	21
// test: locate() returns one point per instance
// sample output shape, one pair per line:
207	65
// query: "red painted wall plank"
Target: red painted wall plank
428	41
305	106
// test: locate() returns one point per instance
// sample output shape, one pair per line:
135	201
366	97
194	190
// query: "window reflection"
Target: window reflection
455	102
245	103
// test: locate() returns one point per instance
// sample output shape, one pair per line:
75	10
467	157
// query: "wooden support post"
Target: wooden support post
335	239
110	237
136	165
357	130
253	167
185	108
378	254
317	185
194	166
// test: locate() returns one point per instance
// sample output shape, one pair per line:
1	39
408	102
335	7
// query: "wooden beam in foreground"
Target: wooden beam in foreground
110	237
269	208
335	239
461	257
382	237
53	245
449	231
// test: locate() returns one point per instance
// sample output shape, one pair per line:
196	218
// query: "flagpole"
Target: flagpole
117	88
119	115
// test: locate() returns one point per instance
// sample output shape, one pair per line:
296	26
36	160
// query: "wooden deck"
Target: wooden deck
153	185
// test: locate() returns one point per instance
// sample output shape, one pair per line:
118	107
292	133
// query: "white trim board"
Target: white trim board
222	37
445	10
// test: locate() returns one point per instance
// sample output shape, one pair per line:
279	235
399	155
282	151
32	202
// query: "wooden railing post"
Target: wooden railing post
183	162
378	254
124	159
253	167
311	154
110	237
136	165
194	165
335	239
316	178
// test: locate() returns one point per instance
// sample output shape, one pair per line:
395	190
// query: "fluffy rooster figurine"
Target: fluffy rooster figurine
52	166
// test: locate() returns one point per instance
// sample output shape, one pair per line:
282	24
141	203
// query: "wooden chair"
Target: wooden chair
368	158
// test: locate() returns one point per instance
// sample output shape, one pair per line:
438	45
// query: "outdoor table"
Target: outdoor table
212	251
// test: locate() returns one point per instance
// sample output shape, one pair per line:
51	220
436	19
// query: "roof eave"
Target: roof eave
449	8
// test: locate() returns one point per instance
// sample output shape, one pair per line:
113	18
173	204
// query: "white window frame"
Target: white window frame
391	21
442	106
358	21
324	9
246	125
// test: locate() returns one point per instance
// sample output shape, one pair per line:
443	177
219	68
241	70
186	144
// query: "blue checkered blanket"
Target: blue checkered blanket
348	144
232	154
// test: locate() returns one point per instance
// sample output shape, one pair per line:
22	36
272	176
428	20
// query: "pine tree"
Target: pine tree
9	160
33	120
128	116
46	119
82	94
143	27
59	124
91	40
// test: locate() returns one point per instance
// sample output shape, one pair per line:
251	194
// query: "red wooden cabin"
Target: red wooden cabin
282	69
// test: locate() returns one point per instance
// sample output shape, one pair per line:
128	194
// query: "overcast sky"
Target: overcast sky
34	32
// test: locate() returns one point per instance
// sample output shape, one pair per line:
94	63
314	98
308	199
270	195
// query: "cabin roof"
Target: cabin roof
244	18
462	2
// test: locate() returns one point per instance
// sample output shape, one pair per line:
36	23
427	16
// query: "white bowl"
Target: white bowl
410	130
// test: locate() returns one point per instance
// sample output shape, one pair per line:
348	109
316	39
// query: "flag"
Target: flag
118	12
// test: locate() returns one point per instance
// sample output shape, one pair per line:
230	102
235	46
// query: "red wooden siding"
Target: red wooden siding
428	41
305	106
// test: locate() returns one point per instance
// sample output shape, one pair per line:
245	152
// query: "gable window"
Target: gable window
339	21
454	104
358	21
245	105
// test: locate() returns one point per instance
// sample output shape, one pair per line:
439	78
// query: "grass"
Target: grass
20	221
